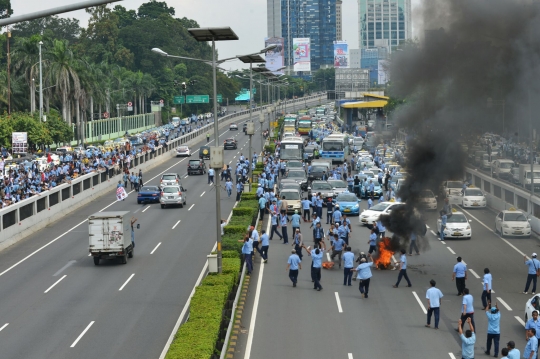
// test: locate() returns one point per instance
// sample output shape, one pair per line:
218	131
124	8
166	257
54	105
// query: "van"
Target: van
501	168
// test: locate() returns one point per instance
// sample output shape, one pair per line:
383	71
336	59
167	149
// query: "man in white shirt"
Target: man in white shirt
433	296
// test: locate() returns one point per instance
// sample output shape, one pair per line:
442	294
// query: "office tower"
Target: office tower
273	15
339	21
387	20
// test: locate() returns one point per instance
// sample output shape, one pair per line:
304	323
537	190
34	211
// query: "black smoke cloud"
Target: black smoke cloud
470	51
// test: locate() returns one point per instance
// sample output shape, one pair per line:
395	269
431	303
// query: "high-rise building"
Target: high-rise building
384	20
313	19
339	21
355	58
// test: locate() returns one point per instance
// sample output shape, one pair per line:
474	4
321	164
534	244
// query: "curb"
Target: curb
238	320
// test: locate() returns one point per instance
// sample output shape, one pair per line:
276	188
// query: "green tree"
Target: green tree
59	130
50	26
154	9
5	9
38	134
6	128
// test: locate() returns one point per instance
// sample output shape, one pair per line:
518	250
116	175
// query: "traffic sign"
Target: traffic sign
197	99
105	114
219	98
179	100
161	103
130	104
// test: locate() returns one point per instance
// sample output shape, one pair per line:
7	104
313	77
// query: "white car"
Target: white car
372	215
457	226
532	305
338	186
473	198
452	189
183	151
233	127
512	223
428	200
293	198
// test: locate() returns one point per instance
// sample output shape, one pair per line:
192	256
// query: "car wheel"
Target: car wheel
138	202
496	231
181	205
130	254
162	206
96	260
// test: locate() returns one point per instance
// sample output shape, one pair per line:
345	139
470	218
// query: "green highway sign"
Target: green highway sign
179	99
219	98
197	99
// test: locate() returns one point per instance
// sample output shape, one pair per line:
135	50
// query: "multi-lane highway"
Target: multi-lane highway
55	303
285	322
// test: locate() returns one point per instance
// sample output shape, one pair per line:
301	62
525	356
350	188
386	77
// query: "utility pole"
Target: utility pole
40	85
8	71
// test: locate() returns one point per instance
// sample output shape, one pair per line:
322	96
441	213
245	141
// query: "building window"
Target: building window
378	35
378	26
402	25
386	35
394	25
402	35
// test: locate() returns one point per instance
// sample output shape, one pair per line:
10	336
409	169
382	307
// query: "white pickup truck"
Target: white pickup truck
110	236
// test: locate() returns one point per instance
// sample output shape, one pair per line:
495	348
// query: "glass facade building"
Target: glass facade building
315	19
384	20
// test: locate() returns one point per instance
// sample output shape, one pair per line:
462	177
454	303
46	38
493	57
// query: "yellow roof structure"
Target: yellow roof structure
363	104
376	96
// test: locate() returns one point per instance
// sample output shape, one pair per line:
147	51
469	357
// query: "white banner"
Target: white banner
301	54
121	194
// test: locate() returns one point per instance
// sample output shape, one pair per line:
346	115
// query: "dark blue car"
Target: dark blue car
148	194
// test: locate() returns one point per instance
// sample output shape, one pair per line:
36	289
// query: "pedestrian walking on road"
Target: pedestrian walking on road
348	264
533	323
534	270
494	329
318	234
372	241
467	340
298	243
403	270
460	275
433	296
531	348
283	219
262	207
486	293
294	264
364	275
305	207
316	264
133	220
444	218
413	244
264	244
228	187
207	137
337	248
467	307
512	352
247	249
211	175
295	221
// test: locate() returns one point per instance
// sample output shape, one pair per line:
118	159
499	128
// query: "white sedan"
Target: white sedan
457	226
233	127
428	200
532	305
473	198
371	215
512	223
183	151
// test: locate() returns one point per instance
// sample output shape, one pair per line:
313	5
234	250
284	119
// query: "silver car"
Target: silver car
169	179
172	195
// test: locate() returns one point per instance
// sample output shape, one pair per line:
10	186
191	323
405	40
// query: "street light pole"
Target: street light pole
40	85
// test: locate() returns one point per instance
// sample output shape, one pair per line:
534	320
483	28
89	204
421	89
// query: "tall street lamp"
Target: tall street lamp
40	84
216	158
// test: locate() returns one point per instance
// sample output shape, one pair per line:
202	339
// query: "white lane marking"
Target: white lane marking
491	230
191	207
420	302
186	176
155	248
3	326
230	162
474	273
202	194
451	250
349	356
127	281
432	232
338	302
452	356
138	210
328	257
462	261
520	320
144	210
443	242
504	303
234	157
69	264
255	306
427	226
55	283
82	334
176	224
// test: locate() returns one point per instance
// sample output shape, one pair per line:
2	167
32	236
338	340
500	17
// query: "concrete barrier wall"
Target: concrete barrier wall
29	216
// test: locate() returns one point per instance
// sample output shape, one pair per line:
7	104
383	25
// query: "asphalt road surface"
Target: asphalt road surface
285	322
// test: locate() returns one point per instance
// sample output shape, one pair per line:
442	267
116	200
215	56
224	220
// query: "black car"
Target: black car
204	153
196	167
244	128
230	143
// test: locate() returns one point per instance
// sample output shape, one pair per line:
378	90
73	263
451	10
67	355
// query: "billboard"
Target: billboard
383	72
301	54
341	54
275	58
19	142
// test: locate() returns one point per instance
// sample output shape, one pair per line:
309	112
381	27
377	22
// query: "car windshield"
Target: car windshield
515	217
333	146
473	192
289	185
134	138
454	184
296	174
171	189
380	207
321	186
506	165
426	194
290	195
457	218
536	175
169	177
338	184
295	164
229	140
149	189
182	148
346	198
318	169
194	163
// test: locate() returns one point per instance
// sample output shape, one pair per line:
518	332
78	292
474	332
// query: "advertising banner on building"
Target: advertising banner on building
301	54
275	58
341	54
19	142
382	72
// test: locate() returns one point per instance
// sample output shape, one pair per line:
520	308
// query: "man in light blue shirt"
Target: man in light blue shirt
364	275
444	218
532	345
343	232
348	264
513	353
467	340
460	275
403	270
262	208
494	329
533	322
265	244
433	296
372	241
317	256
293	265
295	221
337	248
486	293
336	215
211	175
247	249
305	207
382	229
534	265
467	307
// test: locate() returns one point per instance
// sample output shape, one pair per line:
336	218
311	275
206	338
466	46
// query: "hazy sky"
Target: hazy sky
246	18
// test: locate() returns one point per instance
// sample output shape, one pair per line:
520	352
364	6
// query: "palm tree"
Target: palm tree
26	61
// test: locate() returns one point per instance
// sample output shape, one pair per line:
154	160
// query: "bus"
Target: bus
290	121
304	125
302	112
292	148
320	111
335	147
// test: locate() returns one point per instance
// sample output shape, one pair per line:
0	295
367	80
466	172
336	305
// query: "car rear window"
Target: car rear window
171	189
149	189
169	177
194	163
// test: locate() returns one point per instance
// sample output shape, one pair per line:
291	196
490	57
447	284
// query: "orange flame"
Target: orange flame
385	254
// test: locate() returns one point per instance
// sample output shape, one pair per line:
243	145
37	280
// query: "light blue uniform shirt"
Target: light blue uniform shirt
514	354
348	259
494	320
247	248
262	203
336	215
533	265
460	269
532	324
364	270
305	204
295	220
338	245
434	295
532	346
283	220
317	258
467	346
467	301
403	260
265	240
294	260
487	281
372	239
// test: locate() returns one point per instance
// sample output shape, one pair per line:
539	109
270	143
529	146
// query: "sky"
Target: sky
246	18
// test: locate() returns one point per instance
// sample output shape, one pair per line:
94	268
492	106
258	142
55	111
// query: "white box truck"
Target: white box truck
109	236
526	177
